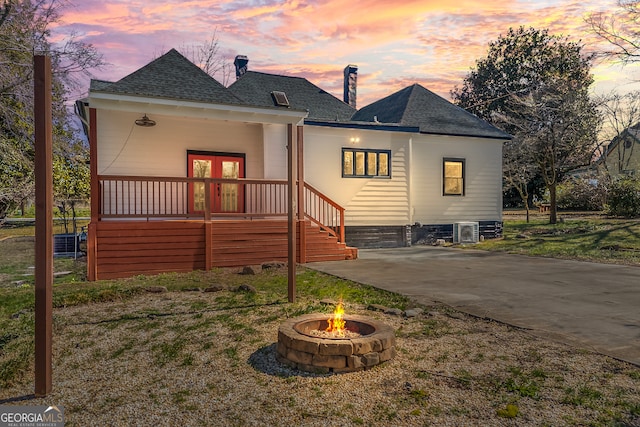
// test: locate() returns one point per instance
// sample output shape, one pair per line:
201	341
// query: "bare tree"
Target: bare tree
558	129
517	169
208	56
621	29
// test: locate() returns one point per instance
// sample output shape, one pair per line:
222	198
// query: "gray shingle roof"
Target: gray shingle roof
99	85
173	76
419	107
255	88
170	76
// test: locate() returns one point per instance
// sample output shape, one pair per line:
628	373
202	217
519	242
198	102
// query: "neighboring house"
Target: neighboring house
622	155
188	174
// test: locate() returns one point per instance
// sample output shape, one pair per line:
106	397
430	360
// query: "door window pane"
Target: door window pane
201	169
230	170
229	192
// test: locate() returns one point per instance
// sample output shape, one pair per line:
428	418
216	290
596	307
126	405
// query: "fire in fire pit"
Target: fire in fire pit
323	343
336	323
336	327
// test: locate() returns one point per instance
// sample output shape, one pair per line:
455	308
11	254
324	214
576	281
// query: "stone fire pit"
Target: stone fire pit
300	347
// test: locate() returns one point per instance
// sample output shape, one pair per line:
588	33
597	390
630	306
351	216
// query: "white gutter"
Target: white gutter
207	110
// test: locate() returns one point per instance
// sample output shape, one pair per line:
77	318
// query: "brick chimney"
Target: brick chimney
350	83
241	62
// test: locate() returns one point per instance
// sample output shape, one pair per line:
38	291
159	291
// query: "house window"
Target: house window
365	163
453	177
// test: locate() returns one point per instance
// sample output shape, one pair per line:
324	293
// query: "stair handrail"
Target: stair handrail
327	214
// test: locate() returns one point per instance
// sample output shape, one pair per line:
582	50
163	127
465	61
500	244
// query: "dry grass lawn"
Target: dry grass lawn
193	358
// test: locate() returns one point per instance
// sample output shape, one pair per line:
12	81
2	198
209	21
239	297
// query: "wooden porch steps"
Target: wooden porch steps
252	242
321	246
128	248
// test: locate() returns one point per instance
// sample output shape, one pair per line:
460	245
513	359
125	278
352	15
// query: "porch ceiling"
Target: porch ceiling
137	104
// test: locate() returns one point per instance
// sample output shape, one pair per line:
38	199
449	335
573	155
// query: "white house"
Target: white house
406	168
182	166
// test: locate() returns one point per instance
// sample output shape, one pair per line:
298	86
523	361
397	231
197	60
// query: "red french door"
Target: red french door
225	197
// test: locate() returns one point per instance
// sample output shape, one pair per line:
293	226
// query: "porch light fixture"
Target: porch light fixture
145	122
355	140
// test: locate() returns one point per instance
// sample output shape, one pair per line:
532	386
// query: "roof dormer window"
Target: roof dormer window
280	98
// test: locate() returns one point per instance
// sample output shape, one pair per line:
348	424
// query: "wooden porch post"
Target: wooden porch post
303	229
44	224
208	227
207	199
291	213
208	245
92	240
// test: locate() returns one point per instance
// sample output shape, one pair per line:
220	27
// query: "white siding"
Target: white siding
483	180
367	201
127	149
275	151
414	193
383	201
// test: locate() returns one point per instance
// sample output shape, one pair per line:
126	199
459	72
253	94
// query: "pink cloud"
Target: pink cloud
432	42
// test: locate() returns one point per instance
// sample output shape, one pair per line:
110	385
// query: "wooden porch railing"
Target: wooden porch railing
146	197
324	212
172	197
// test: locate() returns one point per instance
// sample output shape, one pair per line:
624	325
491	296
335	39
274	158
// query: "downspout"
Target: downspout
92	241
410	183
410	194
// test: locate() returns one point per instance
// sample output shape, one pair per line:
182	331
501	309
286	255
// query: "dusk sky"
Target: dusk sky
393	43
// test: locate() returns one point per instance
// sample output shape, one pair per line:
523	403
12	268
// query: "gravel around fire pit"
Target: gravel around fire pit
188	359
332	335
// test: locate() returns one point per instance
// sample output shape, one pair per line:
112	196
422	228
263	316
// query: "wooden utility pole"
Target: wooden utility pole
292	212
44	223
92	265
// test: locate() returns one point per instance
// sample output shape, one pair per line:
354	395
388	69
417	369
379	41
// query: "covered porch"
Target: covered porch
151	212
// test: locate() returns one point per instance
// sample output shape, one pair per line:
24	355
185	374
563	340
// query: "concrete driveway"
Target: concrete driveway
589	305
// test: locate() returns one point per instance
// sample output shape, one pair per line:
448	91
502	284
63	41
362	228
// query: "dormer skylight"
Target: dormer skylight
280	98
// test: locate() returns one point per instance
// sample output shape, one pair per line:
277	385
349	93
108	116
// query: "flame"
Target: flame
337	323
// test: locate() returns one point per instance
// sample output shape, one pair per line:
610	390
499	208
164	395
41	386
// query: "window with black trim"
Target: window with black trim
453	177
366	163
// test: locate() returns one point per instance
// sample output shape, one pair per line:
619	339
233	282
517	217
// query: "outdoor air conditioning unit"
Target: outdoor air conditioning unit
466	232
